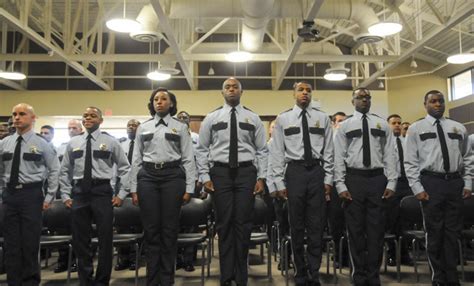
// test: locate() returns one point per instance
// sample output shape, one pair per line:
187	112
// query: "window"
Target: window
461	85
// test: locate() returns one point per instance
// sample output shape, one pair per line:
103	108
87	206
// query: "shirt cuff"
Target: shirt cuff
49	198
65	197
190	189
341	187
417	188
205	178
280	185
468	184
391	185
328	180
122	194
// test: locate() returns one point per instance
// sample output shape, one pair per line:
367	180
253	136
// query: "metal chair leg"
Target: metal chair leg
137	258
204	261
285	251
69	264
269	261
398	246
327	258
341	243
415	258
461	260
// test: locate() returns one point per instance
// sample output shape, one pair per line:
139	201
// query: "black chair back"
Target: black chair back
468	211
57	216
194	213
410	211
127	215
2	217
260	212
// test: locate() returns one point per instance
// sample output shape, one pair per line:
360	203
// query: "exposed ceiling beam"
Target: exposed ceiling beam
208	34
465	12
296	45
40	40
11	84
202	57
168	31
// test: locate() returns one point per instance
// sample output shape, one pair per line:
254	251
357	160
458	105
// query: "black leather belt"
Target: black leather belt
240	164
20	186
313	162
444	176
162	165
365	173
94	182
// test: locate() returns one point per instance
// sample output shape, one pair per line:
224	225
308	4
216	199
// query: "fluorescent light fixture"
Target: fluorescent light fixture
123	25
383	29
158	76
238	57
12	75
460	59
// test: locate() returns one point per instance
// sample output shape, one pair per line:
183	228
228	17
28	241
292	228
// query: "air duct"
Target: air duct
149	31
256	16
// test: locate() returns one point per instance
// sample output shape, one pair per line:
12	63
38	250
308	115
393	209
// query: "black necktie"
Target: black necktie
308	154
87	178
365	141
15	171
233	157
444	147
400	157
161	122
130	151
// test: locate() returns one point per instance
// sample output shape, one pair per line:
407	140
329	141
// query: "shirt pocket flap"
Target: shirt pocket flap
219	126
354	133
292	131
77	154
455	136
377	132
32	157
428	135
7	156
102	154
316	130
172	137
147	136
246	126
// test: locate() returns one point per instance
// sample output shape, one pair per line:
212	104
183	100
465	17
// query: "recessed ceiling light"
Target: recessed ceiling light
460	59
383	29
238	57
158	76
12	75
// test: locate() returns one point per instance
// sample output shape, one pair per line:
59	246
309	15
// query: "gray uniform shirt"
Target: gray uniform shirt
214	140
158	143
106	152
348	149
424	151
38	162
270	180
288	142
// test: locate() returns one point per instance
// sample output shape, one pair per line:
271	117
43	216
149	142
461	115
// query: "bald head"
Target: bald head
23	116
74	127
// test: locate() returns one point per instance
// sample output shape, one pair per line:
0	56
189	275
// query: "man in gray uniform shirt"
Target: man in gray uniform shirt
439	167
303	139
27	160
89	160
232	163
365	176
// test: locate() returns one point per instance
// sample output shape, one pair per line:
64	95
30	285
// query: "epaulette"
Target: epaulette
103	132
220	107
287	110
420	119
82	133
247	108
349	116
39	135
377	115
148	120
122	139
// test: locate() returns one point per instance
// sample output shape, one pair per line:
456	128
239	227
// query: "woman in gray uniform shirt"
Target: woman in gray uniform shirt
162	178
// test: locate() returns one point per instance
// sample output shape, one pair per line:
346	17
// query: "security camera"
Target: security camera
308	31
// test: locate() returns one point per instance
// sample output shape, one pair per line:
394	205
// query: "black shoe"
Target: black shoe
391	261
132	266
453	284
122	265
74	267
61	267
179	264
439	284
189	267
290	266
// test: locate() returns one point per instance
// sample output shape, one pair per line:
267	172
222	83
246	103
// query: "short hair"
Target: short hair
300	82
234	78
49	127
97	109
433	91
185	112
173	109
340	113
361	88
406	122
393	116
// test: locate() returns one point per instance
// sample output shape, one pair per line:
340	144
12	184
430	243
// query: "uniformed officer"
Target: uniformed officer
126	254
405	126
27	160
335	211
232	164
365	176
47	131
162	178
303	139
89	161
439	167
74	128
3	130
393	223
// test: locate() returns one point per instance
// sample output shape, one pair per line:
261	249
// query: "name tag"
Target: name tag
354	133
316	130
219	126
246	126
292	131
172	137
428	135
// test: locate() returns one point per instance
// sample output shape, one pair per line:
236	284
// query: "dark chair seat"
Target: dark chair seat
185	239
258	238
51	240
414	234
468	234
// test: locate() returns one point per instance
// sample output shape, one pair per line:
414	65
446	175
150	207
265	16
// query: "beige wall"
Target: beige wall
405	95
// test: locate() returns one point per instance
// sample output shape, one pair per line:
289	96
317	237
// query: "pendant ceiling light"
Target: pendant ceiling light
123	25
238	56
